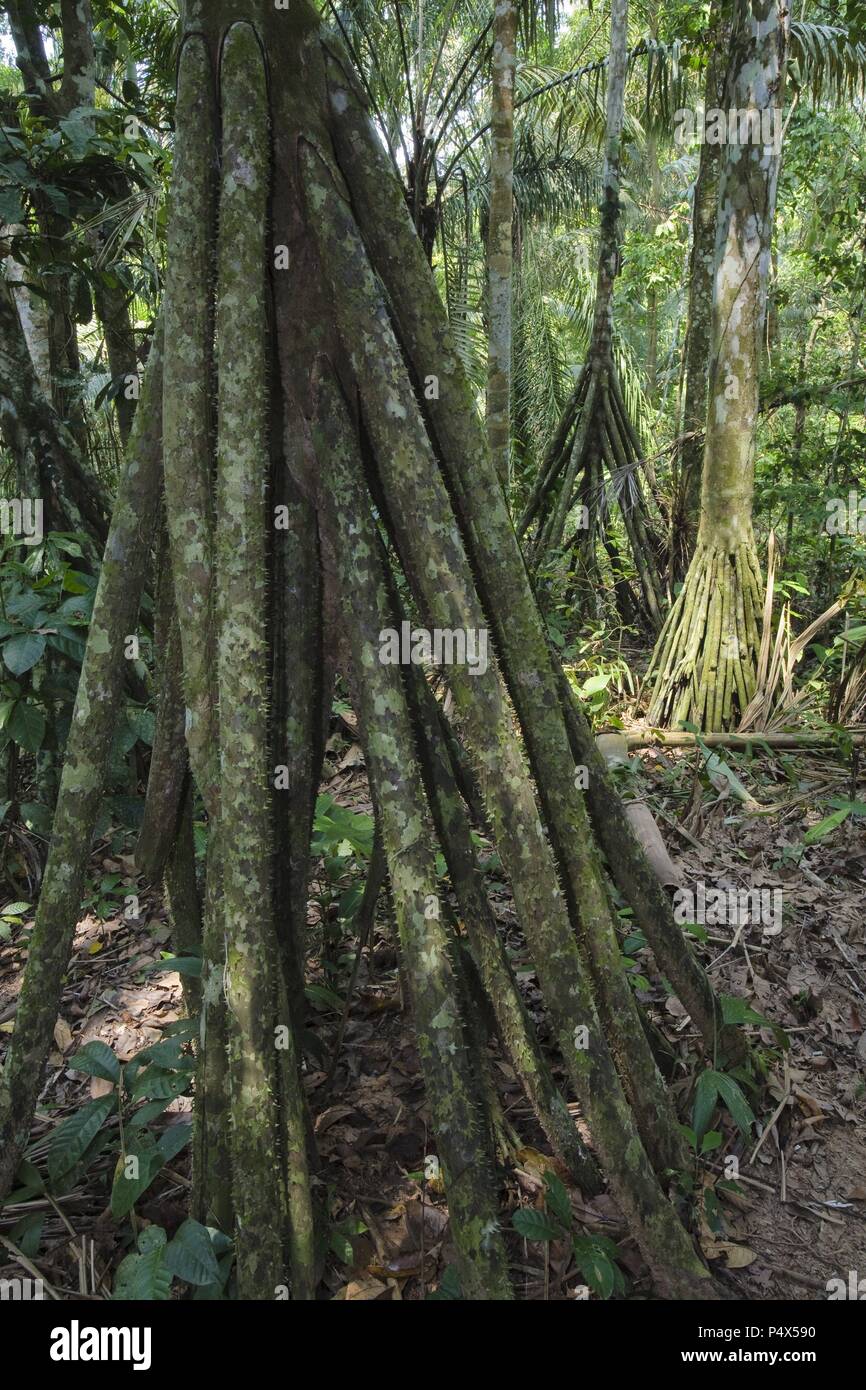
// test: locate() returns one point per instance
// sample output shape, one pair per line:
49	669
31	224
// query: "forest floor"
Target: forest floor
799	1216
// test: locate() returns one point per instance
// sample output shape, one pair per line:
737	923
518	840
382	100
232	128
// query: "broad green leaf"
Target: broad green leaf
76	611
151	1238
185	1028
143	1278
30	1178
134	1174
635	942
213	1292
705	1102
37	817
142	722
96	1059
449	1290
173	1139
737	1010
179	965
320	994
695	929
28	1233
717	767
73	1136
535	1225
11	209
67	645
27	726
596	683
155	1084
556	1196
190	1255
595	1266
150	1111
66	544
168	1054
729	1091
74	583
341	1246
22	653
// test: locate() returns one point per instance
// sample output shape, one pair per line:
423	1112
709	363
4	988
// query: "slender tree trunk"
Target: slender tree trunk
78	84
698	339
652	300
704	664
33	316
73	498
51	101
88	751
500	237
112	310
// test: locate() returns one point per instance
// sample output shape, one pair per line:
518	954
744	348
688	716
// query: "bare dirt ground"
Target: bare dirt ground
798	1218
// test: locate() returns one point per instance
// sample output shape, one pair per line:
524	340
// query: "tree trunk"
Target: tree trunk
500	237
704	664
705	199
42	444
88	751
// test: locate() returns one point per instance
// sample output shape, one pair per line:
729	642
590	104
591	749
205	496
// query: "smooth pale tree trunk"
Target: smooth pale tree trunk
500	237
705	199
33	316
704	664
652	303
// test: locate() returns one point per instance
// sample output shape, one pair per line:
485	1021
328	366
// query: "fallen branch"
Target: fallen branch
651	738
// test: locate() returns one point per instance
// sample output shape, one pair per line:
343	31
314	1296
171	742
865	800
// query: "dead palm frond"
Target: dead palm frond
776	703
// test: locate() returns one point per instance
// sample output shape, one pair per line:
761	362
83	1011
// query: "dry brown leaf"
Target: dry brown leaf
810	1105
63	1035
534	1162
363	1290
331	1116
399	1267
734	1256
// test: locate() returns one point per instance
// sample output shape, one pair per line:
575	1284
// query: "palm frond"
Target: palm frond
826	63
542	375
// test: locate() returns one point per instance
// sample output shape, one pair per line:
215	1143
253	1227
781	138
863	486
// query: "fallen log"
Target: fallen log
651	738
